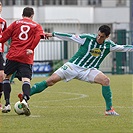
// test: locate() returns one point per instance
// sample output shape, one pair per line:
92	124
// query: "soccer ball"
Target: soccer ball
18	108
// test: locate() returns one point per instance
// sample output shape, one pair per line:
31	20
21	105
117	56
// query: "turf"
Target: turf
73	107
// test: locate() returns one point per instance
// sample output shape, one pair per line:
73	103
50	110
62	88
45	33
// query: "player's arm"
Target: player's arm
68	37
34	44
38	35
121	48
35	41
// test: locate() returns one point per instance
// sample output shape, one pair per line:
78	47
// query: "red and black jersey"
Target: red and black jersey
25	34
3	26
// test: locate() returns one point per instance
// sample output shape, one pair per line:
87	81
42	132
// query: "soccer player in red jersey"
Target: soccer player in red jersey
3	26
25	35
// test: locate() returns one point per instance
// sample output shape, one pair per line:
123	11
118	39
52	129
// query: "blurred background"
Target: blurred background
76	17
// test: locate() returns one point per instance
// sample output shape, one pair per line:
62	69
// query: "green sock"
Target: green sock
107	94
38	87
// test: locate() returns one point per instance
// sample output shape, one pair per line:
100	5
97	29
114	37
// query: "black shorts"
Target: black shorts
24	70
1	61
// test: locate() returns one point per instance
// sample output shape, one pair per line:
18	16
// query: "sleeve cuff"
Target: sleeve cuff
53	34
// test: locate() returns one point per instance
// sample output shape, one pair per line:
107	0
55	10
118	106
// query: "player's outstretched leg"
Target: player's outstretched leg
38	87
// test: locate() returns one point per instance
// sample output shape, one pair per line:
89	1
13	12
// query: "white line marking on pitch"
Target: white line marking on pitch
34	116
79	96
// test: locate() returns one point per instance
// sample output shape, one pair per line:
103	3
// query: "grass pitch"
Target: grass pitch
73	107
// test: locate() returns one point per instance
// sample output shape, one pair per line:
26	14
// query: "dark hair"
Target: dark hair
28	12
105	29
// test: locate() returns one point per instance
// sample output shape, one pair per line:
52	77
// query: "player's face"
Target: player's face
101	37
0	7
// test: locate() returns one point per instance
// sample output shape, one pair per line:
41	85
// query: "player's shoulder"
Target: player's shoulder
110	42
34	22
88	35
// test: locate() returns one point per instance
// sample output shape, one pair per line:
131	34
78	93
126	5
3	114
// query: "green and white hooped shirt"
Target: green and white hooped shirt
91	54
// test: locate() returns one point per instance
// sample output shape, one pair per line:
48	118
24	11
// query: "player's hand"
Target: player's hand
29	51
47	35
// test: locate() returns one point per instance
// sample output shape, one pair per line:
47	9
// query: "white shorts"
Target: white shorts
71	71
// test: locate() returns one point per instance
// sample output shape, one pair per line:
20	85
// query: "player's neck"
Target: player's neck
27	18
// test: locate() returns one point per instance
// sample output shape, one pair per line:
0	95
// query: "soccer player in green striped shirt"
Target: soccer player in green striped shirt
85	63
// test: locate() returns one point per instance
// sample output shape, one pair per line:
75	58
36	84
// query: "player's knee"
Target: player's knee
54	78
25	80
106	82
50	82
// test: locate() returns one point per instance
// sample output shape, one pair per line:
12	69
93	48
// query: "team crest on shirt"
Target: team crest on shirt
95	52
